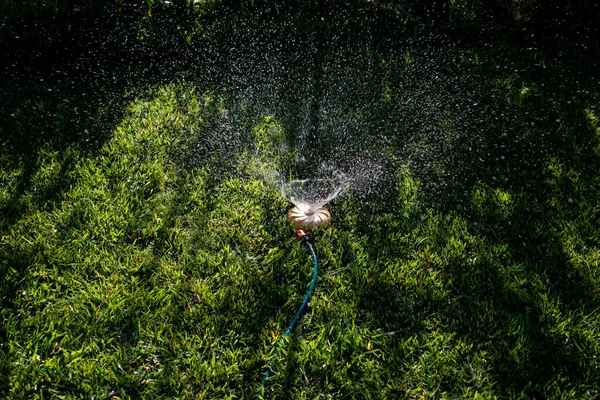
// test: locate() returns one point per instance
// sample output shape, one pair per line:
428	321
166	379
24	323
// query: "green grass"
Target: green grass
133	265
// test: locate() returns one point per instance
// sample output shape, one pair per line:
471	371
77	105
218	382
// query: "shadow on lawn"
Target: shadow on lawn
523	296
48	107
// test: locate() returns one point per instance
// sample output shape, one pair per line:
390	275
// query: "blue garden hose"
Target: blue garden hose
269	372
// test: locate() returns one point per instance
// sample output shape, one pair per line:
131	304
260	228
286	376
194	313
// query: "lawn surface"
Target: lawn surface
142	256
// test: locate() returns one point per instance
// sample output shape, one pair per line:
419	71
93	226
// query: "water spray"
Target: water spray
309	196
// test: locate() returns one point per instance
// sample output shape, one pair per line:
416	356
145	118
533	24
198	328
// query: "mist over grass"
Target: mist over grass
144	247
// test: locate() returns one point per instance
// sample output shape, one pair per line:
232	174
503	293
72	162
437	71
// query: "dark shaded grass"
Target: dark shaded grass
499	300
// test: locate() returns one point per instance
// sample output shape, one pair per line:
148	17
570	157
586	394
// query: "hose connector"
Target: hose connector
302	235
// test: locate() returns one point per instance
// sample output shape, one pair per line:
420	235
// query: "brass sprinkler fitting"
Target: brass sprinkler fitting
303	220
300	234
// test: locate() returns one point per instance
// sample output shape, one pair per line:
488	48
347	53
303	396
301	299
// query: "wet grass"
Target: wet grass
135	264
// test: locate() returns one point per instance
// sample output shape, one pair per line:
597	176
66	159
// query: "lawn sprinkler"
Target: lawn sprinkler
309	197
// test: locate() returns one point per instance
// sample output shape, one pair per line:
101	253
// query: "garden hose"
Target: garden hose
305	239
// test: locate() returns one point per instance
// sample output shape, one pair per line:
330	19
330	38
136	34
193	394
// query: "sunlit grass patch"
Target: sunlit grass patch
493	201
94	253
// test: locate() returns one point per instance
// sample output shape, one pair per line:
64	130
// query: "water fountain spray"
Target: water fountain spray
309	197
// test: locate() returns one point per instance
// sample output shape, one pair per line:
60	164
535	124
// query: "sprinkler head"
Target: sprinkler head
301	219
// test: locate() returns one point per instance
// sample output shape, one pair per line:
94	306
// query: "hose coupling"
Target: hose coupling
302	235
